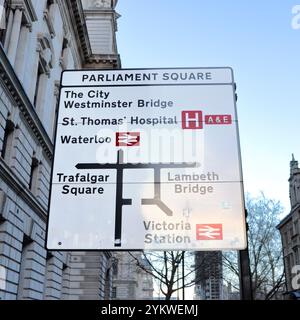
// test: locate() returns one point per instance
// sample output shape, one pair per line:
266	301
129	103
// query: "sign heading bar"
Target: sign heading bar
134	77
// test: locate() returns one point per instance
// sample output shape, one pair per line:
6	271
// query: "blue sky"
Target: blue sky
257	40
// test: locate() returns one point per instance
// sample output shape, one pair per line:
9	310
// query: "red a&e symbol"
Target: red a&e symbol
192	120
218	119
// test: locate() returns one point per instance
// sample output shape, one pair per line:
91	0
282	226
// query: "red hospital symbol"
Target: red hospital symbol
128	139
209	232
192	120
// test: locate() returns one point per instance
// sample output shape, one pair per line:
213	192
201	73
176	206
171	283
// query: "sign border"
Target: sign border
241	182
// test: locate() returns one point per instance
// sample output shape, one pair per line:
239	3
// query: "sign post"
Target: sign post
147	159
246	292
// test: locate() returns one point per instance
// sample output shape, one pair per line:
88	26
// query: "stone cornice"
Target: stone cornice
112	61
13	85
93	11
289	217
28	9
80	29
21	190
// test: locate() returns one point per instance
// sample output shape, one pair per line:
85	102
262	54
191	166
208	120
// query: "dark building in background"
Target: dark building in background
209	274
289	229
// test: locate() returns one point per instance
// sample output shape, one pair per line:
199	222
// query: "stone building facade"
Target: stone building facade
289	229
131	282
39	39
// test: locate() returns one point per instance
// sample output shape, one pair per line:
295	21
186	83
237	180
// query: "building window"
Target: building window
33	174
115	267
290	233
2	206
295	193
44	63
296	254
7	140
114	293
296	227
64	60
287	267
107	285
55	107
38	84
292	260
286	239
4	15
49	3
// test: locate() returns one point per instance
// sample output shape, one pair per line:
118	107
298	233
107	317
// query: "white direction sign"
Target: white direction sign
147	159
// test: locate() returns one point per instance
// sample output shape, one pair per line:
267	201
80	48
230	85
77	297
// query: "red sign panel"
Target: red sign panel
209	232
128	139
192	120
218	119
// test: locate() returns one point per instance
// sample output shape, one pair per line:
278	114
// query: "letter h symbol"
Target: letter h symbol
192	120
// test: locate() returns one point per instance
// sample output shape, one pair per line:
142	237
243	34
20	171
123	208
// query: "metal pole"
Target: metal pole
245	271
178	285
183	274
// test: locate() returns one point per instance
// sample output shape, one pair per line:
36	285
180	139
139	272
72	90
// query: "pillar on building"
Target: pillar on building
42	83
8	30
15	34
20	62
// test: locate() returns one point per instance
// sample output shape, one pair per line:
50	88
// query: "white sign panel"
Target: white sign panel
147	159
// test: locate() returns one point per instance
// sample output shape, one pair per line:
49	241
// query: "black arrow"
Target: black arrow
120	166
